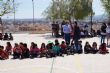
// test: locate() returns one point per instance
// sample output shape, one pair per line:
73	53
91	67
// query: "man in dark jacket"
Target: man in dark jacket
77	35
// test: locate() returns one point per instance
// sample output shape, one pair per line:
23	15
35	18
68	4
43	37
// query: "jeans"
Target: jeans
67	37
103	38
76	44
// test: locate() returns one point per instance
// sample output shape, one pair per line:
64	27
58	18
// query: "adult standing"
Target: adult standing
67	31
108	33
55	29
62	33
103	32
1	36
77	35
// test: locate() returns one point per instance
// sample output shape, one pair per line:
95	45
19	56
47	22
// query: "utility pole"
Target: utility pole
33	11
14	11
2	26
91	15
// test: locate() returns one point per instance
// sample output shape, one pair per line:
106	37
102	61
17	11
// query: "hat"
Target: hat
50	42
67	21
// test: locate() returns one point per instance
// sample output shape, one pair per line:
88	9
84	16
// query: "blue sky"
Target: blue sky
25	8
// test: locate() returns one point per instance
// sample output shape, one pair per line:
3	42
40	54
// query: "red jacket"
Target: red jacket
4	55
34	50
63	46
17	49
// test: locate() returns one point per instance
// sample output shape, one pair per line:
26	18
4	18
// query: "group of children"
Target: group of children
93	49
6	36
21	51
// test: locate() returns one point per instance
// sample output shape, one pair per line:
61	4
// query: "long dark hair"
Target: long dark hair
9	44
43	45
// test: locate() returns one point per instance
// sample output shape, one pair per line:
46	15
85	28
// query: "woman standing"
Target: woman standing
108	33
103	33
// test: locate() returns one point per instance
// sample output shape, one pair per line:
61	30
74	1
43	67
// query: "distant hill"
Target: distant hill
28	20
99	18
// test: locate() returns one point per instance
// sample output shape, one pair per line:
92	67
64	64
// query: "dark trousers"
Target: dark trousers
94	51
25	55
16	55
103	38
76	43
33	55
87	51
67	37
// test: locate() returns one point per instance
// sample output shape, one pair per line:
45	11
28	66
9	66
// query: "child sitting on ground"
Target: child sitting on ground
5	36
25	53
79	47
50	52
3	54
9	48
68	49
17	51
72	50
34	50
63	47
94	49
10	36
56	48
103	49
43	50
87	48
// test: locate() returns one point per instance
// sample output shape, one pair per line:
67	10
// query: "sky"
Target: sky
25	10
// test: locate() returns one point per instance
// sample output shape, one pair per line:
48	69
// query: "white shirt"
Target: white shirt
82	33
108	29
66	28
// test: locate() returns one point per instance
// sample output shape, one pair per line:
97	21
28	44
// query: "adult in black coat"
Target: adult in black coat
77	35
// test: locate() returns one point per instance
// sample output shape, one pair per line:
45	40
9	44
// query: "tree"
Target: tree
67	9
6	7
106	4
82	8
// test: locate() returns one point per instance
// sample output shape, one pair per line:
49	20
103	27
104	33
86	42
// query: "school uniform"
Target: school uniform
17	52
34	52
3	55
56	49
63	48
43	52
103	49
8	49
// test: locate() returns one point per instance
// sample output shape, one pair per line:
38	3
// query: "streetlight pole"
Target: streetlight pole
91	15
14	11
33	10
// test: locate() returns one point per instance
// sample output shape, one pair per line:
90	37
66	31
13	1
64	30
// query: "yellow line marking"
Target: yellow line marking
78	64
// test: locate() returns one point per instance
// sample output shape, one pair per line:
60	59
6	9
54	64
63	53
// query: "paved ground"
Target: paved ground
69	64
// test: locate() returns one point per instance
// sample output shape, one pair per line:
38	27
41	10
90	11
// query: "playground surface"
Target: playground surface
83	63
